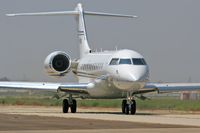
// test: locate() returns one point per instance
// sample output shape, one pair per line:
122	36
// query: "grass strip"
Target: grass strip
161	104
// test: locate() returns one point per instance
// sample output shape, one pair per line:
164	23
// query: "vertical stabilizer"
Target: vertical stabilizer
83	42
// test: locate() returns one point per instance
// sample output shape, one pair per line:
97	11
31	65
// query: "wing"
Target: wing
172	87
66	87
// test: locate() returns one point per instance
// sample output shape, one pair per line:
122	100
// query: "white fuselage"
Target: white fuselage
122	74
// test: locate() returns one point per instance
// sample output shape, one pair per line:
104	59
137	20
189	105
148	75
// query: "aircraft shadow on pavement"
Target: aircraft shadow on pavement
115	113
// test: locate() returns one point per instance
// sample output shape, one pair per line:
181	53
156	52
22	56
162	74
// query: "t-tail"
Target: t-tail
79	13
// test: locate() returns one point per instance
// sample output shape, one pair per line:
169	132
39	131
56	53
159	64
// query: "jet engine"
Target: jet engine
57	63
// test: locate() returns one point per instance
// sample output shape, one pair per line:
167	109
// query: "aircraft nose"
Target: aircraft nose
131	77
136	74
134	77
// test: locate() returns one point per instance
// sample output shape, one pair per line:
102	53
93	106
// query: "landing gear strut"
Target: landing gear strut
71	103
129	105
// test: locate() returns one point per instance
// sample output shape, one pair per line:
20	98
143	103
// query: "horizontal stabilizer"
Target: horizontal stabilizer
109	14
45	13
71	13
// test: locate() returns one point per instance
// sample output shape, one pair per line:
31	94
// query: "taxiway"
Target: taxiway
50	119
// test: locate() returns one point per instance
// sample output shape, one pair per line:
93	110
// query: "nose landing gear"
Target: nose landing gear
129	105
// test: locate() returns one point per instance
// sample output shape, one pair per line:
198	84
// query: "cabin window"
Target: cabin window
125	61
114	61
138	61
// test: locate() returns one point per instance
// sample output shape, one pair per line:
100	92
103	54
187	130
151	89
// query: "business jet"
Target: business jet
122	74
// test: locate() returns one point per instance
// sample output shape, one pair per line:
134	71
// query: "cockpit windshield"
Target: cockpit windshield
114	61
138	61
133	61
125	61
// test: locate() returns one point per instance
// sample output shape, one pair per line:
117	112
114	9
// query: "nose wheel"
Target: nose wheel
129	105
133	107
124	106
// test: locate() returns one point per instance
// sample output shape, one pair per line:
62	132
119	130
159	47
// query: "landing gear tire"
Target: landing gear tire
73	106
65	106
127	109
123	106
133	107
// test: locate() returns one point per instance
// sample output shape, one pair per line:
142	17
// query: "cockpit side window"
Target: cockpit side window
114	61
138	61
125	61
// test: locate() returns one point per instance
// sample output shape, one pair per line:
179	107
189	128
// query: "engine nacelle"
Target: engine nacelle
57	63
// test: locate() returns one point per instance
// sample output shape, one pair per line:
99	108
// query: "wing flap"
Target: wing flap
80	88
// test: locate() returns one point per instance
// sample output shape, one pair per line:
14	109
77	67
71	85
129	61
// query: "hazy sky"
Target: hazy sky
167	34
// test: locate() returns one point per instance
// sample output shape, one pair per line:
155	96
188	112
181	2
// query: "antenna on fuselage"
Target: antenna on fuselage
79	13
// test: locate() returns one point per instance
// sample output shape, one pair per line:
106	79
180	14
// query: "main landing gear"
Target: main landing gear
129	105
71	103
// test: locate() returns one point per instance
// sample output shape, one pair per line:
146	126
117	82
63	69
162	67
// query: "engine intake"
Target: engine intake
57	63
